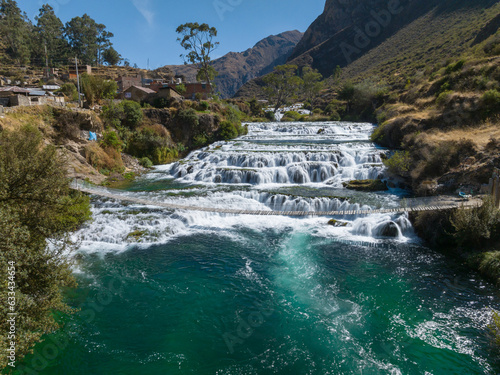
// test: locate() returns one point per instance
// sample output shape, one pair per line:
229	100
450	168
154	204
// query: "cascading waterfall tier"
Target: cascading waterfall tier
277	166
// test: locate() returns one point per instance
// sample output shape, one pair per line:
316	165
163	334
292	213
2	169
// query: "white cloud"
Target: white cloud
143	6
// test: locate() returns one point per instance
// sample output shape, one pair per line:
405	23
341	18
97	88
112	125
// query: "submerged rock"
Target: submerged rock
389	229
366	185
337	223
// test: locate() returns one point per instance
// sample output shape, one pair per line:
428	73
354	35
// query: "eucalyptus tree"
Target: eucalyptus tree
15	31
199	40
49	34
282	85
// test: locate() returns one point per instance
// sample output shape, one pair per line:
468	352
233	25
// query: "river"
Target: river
164	292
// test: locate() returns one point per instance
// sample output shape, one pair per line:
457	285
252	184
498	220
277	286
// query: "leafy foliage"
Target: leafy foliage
199	40
476	225
282	85
97	89
37	212
399	163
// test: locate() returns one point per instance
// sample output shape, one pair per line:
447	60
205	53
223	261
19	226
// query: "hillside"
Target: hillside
237	68
419	36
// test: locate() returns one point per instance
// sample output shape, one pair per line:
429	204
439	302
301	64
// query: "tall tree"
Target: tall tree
37	208
50	34
312	84
111	57
282	85
103	42
15	29
88	39
199	40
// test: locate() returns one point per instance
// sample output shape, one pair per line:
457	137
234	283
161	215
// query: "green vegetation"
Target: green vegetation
37	213
199	41
96	89
81	36
282	85
366	185
399	163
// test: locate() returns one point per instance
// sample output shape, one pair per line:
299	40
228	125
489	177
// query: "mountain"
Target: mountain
237	68
388	39
349	29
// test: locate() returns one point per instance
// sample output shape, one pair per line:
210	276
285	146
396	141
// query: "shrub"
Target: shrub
296	116
474	226
132	114
146	162
200	141
399	163
491	99
455	67
443	98
160	102
227	131
70	91
270	116
110	139
335	116
204	106
96	88
188	117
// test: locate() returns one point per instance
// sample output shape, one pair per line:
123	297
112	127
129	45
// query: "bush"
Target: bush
146	162
70	91
147	142
227	131
203	106
200	141
295	116
160	102
474	226
491	100
96	88
443	98
399	163
270	116
335	116
455	67
110	139
132	114
37	213
188	117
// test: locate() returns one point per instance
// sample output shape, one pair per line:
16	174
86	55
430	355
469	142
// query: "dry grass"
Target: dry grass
481	136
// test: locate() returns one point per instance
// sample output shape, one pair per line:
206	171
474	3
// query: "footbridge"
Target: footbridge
439	203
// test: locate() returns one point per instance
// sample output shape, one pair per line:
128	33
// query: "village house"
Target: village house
201	90
168	92
13	96
125	82
137	93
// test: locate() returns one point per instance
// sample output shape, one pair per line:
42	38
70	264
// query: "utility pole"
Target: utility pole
47	74
78	82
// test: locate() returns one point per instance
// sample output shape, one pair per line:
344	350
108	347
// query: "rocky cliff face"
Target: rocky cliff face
237	68
348	29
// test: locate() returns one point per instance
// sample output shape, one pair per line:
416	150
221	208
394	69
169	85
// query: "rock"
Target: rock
337	223
366	185
389	229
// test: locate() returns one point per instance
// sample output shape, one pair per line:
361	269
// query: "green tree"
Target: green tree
111	56
312	84
50	33
199	41
69	90
15	30
282	85
87	39
37	212
96	88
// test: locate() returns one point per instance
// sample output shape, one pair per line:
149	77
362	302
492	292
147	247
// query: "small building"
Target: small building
168	92
81	70
195	90
51	87
125	83
137	93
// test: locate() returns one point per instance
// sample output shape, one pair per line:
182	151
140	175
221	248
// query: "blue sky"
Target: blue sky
146	28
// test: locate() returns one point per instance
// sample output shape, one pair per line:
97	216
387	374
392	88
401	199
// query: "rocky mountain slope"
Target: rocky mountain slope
237	68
